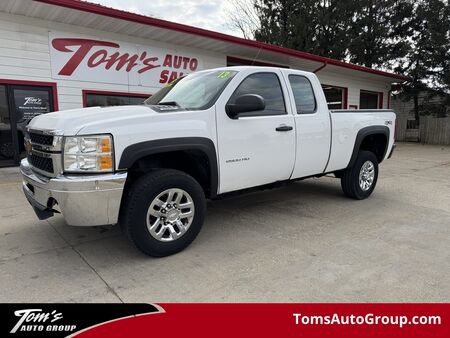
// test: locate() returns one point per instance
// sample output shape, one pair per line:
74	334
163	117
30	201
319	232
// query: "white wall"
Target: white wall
355	81
25	55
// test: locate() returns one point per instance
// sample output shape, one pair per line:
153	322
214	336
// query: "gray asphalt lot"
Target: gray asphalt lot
301	243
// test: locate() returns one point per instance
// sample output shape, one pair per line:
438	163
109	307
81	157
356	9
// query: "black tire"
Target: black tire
350	177
138	199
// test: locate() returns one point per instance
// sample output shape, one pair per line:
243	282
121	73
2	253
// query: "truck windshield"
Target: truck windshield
195	91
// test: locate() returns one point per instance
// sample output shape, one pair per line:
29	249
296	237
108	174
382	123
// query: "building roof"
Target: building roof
199	38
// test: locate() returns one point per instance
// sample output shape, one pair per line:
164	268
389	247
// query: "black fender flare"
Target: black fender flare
362	134
136	151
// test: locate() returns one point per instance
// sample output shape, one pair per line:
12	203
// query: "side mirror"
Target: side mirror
245	103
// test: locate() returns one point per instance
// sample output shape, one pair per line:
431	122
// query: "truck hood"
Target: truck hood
71	122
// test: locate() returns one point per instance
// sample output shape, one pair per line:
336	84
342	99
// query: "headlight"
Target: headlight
93	153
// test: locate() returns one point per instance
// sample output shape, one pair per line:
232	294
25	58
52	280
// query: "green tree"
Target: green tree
318	27
411	37
428	59
379	32
366	32
333	28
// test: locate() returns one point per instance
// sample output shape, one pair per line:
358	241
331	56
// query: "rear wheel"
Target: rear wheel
163	212
360	180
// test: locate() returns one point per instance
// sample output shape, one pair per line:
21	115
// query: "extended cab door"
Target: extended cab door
257	147
312	122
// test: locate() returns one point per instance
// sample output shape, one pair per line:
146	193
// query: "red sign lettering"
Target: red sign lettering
92	54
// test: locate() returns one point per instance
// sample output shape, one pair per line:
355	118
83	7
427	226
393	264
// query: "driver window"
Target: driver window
268	86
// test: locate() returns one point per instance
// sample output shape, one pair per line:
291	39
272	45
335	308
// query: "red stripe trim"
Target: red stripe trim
345	98
52	85
119	14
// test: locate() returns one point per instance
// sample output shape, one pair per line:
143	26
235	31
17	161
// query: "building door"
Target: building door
6	137
18	105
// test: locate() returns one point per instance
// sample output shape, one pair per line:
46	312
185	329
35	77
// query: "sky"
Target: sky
208	14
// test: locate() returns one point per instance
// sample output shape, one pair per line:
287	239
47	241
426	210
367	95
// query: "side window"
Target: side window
268	86
305	100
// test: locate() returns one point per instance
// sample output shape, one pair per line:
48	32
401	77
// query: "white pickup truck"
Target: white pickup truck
151	167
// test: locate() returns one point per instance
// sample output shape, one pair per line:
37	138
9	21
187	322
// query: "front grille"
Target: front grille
46	140
42	163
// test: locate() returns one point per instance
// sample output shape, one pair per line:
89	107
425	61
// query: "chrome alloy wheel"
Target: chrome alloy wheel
170	215
366	175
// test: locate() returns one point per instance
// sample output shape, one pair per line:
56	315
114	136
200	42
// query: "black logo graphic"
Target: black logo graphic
62	320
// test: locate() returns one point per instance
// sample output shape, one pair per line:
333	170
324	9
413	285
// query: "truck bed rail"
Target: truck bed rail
361	111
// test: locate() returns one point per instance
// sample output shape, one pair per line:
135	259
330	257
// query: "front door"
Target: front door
258	147
18	105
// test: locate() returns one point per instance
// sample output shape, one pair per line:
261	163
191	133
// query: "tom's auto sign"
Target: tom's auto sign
85	59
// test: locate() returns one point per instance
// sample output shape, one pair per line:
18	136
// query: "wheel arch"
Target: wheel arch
192	155
372	138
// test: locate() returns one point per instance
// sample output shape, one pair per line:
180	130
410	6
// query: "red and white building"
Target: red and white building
66	54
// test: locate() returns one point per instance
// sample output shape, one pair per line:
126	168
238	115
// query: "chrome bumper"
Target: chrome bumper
82	199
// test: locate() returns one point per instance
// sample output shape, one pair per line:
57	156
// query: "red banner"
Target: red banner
282	320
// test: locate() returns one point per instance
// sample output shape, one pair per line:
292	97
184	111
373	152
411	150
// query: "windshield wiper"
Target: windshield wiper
169	103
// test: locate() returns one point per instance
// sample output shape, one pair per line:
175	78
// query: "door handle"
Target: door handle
283	128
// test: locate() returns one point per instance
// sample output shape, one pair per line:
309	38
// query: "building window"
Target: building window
103	99
336	97
370	100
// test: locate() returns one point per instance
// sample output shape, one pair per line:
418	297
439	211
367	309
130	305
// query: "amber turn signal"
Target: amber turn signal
105	145
105	162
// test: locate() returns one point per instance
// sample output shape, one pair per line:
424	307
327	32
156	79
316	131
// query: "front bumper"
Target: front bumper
83	199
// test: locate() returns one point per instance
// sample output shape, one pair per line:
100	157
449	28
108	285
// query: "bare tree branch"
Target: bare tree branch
243	16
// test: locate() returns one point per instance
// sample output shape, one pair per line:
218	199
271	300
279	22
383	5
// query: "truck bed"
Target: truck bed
345	125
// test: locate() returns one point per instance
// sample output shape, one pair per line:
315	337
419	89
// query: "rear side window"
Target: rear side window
268	86
305	100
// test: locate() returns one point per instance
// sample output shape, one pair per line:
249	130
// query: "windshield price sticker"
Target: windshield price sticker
223	75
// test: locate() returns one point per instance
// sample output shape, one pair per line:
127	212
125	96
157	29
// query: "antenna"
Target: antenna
257	54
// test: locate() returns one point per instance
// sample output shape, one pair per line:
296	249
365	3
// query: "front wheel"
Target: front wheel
360	180
163	212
